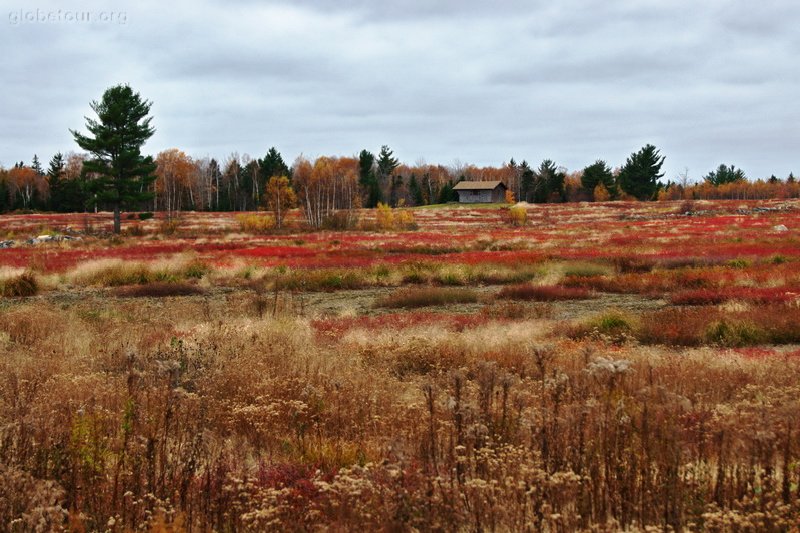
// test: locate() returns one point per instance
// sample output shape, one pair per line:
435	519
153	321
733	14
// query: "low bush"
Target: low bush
158	290
427	296
22	285
698	297
543	293
517	216
585	270
612	325
341	220
254	223
633	264
734	333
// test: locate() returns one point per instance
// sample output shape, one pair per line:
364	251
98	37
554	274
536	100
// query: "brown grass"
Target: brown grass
158	290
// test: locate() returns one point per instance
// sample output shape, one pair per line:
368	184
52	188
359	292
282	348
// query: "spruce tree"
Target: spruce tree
368	180
414	191
54	173
527	181
595	174
115	141
387	164
548	183
639	177
725	174
273	165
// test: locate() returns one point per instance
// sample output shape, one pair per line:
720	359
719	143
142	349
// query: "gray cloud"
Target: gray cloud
470	80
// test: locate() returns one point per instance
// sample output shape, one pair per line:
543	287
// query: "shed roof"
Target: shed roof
477	185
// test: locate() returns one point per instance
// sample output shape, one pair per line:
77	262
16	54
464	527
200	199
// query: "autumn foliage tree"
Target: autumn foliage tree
326	187
280	198
25	183
174	181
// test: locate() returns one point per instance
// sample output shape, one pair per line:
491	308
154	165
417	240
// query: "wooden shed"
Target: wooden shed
483	192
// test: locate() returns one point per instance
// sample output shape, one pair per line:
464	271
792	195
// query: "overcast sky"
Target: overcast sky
474	81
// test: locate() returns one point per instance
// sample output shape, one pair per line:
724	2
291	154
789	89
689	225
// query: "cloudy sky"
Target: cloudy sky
454	80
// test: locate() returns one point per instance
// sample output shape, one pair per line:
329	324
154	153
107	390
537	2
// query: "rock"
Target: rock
6	244
780	227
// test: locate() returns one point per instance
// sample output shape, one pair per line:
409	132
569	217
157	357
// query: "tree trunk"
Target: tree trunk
117	219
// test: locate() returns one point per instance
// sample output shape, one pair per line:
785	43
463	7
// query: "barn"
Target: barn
487	192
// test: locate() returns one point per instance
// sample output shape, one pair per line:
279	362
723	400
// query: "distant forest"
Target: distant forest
239	182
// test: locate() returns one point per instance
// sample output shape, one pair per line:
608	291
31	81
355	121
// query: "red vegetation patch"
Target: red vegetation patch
749	294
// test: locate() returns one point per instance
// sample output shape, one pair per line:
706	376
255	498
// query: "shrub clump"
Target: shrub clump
544	293
427	296
255	223
19	286
159	290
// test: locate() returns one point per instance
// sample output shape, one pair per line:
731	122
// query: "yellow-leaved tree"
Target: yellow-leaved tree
280	198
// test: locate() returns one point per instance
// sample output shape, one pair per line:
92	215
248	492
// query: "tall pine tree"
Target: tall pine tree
124	175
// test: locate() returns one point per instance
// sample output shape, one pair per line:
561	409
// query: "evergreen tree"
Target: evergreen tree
5	193
396	190
274	165
368	180
790	178
725	174
54	175
527	182
36	165
215	174
639	177
596	174
387	164
123	174
447	194
548	183
414	191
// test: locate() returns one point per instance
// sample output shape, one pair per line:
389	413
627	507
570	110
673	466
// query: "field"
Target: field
603	367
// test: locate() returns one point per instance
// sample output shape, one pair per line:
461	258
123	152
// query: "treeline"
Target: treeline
327	185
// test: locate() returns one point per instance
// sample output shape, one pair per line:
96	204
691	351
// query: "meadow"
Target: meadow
590	367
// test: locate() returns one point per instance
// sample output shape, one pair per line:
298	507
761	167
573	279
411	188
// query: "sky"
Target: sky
453	81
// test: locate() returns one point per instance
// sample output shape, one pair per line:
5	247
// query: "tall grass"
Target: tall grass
219	422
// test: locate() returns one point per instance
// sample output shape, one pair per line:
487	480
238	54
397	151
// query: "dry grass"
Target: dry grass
117	272
219	422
